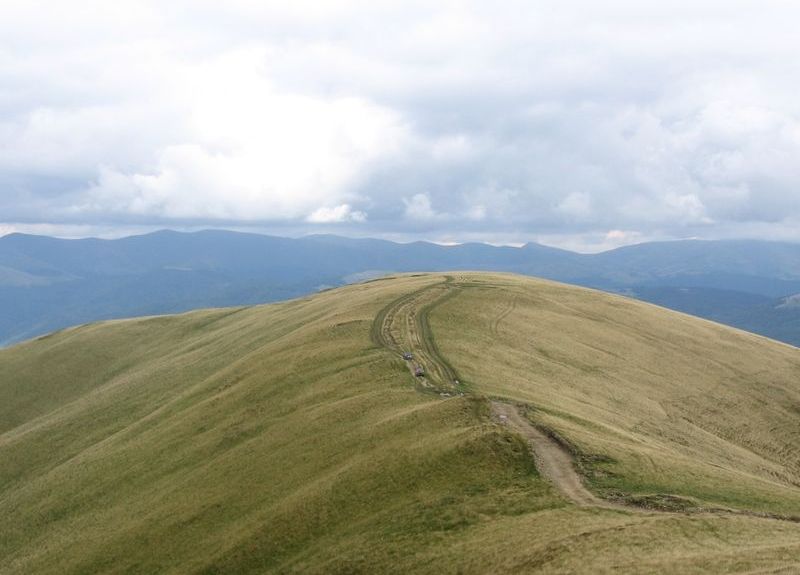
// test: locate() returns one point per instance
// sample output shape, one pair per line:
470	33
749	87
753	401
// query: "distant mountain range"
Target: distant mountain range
48	283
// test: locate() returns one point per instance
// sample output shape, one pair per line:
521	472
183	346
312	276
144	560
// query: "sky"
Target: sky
581	124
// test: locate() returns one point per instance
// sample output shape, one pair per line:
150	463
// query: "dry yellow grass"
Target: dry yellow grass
657	402
281	439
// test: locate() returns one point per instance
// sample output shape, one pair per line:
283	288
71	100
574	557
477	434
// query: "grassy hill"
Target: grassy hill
287	438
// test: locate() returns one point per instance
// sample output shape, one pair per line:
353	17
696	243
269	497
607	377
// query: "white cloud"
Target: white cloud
256	153
477	213
576	205
572	120
418	207
338	214
452	148
687	207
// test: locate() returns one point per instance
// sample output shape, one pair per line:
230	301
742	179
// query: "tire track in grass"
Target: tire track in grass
507	310
403	326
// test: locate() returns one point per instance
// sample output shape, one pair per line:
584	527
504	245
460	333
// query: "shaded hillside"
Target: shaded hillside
283	438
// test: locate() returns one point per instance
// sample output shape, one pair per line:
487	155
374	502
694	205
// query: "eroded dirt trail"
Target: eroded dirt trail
403	326
552	461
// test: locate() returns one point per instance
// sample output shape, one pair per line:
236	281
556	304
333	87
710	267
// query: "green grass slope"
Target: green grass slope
654	402
281	438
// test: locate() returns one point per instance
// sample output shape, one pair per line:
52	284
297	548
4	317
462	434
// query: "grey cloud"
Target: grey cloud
613	123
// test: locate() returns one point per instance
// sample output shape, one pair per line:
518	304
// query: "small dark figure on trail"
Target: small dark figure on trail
407	356
418	371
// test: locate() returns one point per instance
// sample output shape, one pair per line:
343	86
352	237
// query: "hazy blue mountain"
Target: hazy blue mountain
768	268
48	283
778	318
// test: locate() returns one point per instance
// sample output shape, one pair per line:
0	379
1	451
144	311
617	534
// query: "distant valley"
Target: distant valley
48	284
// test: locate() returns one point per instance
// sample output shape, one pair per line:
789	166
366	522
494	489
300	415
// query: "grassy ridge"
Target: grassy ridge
657	403
282	439
272	438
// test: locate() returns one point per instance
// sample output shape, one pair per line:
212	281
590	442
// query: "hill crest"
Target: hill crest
283	438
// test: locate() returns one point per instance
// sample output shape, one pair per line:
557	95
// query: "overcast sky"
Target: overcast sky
581	124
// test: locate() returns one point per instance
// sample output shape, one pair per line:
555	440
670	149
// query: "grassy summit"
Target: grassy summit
284	438
653	402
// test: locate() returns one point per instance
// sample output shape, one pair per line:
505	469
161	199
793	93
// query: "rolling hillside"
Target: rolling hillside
293	437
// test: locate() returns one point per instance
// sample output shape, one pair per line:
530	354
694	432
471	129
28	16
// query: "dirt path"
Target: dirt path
403	326
552	461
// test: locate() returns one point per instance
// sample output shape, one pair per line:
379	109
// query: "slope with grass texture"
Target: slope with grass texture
283	439
655	404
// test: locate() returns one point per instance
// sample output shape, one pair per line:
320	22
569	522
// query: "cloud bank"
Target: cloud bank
577	123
